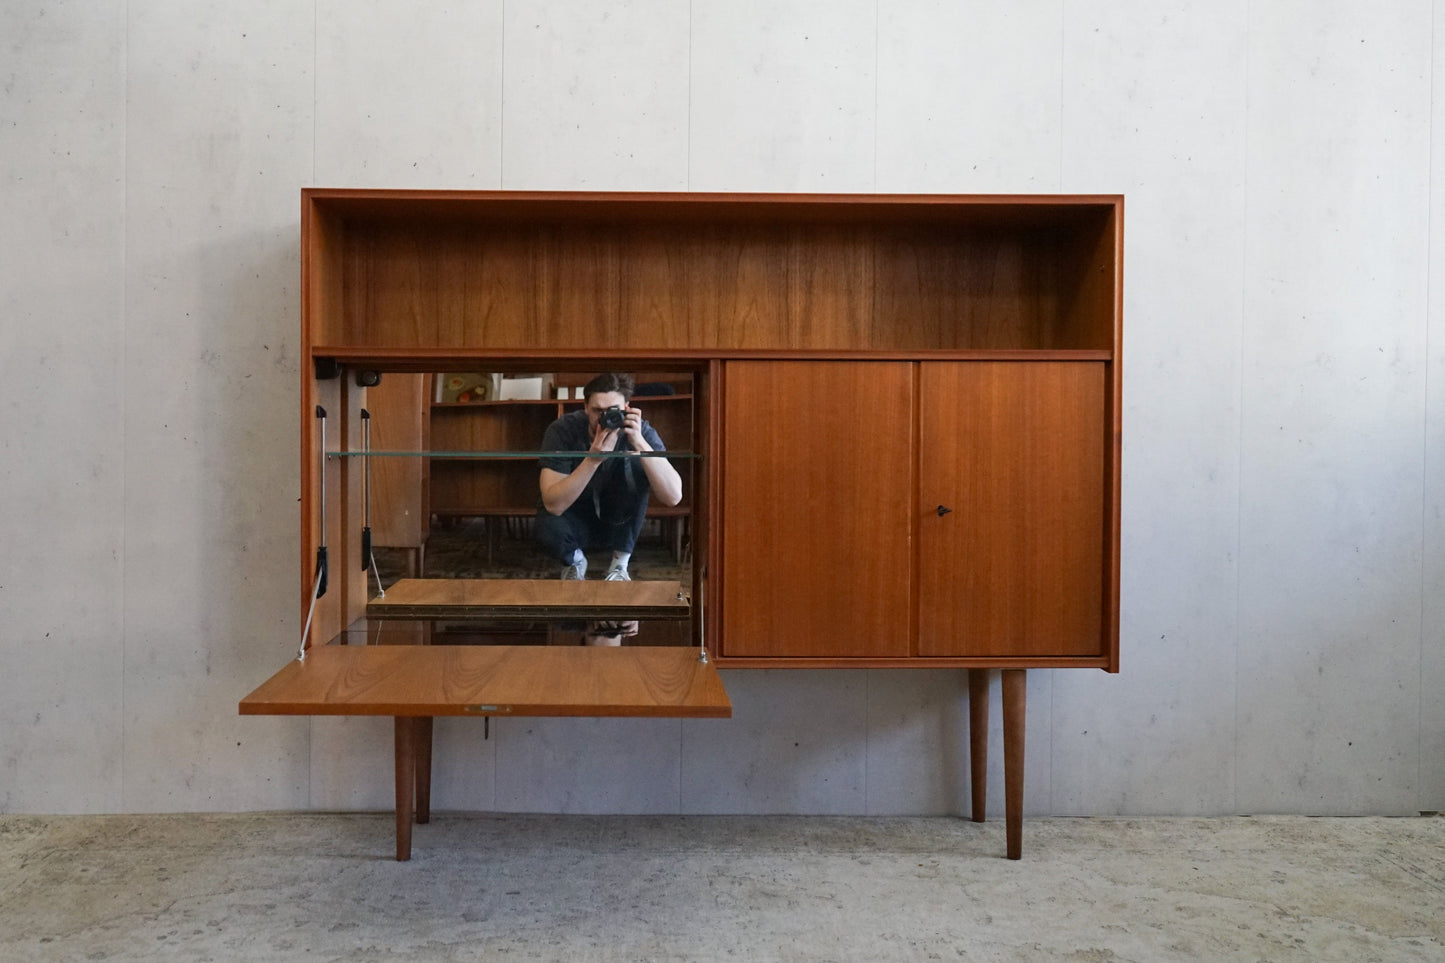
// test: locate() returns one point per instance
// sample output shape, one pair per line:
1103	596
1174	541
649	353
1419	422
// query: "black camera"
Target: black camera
612	418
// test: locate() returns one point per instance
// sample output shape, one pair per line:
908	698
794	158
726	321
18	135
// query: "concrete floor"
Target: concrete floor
321	887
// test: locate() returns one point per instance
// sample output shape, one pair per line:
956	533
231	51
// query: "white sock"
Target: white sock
619	560
579	560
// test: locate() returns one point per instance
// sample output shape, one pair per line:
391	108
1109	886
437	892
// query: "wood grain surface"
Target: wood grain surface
1015	450
399	513
712	272
460	598
500	680
818	485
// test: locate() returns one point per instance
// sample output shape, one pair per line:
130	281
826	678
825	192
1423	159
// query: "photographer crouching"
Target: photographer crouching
593	502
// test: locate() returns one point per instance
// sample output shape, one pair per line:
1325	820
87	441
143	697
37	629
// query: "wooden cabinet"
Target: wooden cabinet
904	412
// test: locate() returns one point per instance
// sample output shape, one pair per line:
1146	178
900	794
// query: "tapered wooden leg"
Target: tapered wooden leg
1013	760
423	769
978	740
405	784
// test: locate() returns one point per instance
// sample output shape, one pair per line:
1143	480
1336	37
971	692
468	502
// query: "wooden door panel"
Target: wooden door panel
817	499
1016	450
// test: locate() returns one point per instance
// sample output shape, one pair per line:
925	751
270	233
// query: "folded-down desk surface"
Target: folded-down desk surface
494	680
487	680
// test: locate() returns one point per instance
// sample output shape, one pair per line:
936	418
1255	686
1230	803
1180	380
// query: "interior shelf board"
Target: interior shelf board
553	402
528	510
581	207
444	598
497	402
640	399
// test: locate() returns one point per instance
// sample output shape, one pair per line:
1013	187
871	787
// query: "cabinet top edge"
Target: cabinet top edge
706	196
520	358
376	202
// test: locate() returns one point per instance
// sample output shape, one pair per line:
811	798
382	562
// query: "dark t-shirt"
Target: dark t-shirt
570	433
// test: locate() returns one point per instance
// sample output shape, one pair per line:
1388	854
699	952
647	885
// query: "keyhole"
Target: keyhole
943	510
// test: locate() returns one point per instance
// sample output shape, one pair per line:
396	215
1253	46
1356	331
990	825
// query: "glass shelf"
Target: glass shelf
641	400
513	455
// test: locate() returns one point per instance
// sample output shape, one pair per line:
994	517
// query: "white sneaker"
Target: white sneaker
617	574
575	572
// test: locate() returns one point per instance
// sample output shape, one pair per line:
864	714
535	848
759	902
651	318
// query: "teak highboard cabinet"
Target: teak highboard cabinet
906	437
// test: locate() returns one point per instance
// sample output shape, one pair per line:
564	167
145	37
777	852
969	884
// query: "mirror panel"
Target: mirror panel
451	491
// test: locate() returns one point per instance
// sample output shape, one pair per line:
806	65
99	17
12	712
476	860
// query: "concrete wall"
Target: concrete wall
1284	474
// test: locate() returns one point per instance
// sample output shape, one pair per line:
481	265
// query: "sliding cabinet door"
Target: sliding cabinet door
1011	511
817	496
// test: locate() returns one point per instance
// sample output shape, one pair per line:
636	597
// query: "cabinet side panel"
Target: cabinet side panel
347	575
330	610
323	250
1089	293
399	407
816	542
706	583
1015	450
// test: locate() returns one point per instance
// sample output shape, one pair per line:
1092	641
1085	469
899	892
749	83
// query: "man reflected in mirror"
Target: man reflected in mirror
591	499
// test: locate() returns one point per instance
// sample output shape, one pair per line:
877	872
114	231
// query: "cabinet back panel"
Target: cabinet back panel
484	427
461	486
1017	452
467	488
1090	291
685	286
323	273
